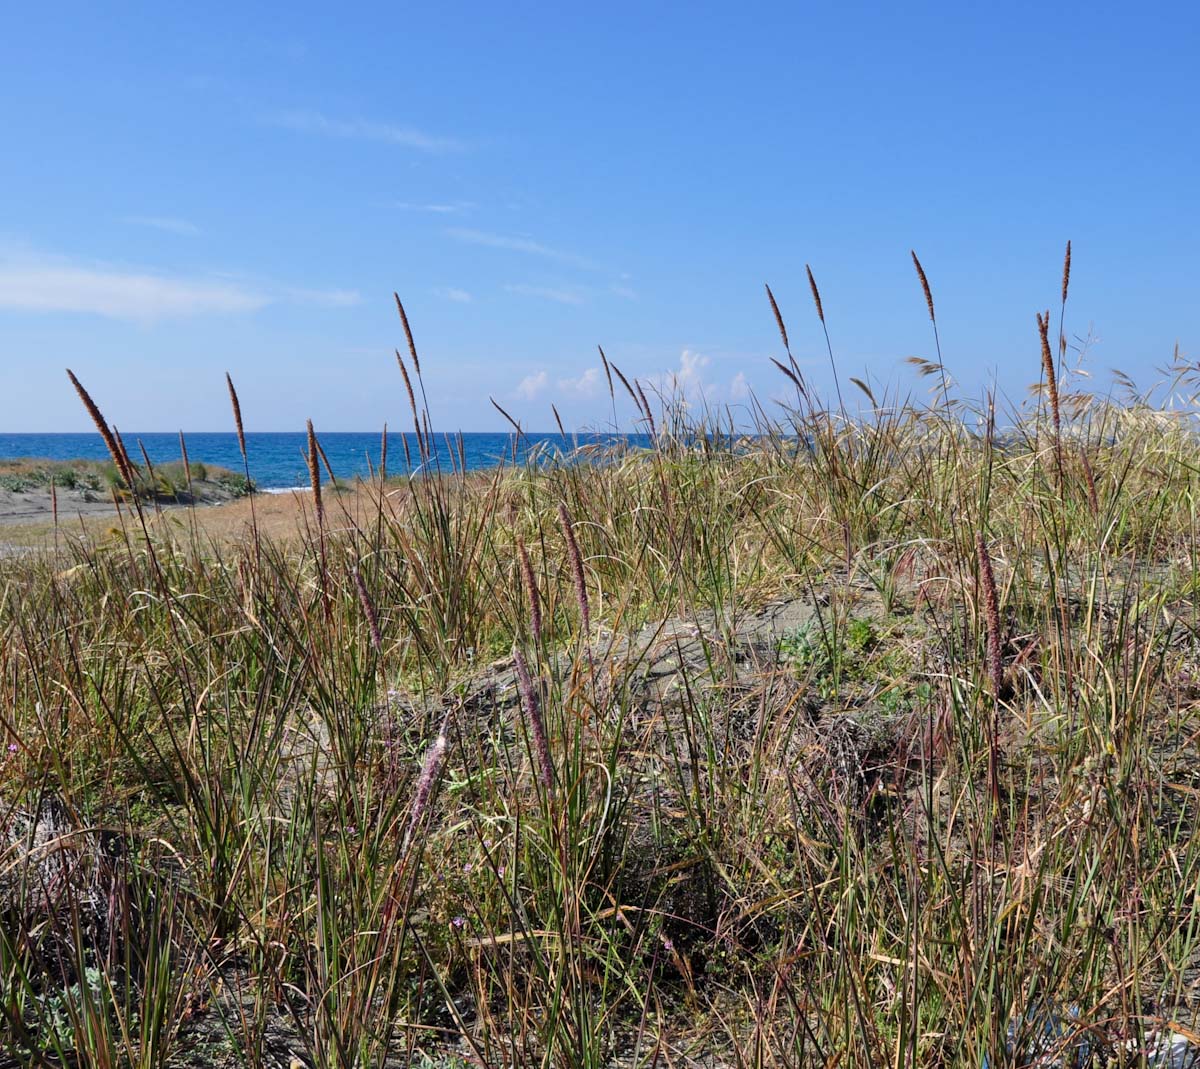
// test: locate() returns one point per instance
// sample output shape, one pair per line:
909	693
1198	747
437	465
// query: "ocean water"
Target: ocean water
277	460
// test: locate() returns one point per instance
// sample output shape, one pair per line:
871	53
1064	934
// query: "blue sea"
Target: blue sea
277	460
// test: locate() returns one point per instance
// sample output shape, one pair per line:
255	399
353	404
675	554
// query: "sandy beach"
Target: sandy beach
35	506
27	517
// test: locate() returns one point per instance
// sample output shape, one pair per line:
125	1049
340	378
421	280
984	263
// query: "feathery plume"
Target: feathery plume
646	409
992	613
812	282
1066	273
1048	367
368	608
791	375
183	452
1062	336
607	372
778	319
237	416
129	472
408	336
533	714
412	401
430	768
628	388
499	408
576	568
106	434
325	462
314	473
146	461
924	285
535	601
1090	479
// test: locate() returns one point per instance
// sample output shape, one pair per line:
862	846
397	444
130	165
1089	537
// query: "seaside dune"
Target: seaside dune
36	492
863	740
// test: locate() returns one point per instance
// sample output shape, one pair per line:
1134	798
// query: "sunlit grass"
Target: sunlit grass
280	787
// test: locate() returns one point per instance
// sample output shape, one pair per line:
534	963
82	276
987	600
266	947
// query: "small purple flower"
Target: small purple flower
467	868
351	830
459	921
12	748
501	871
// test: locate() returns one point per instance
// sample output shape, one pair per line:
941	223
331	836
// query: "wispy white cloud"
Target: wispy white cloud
586	385
688	378
166	223
689	382
314	122
324	298
37	283
560	295
116	294
619	289
455	207
518	243
452	293
686	382
532	385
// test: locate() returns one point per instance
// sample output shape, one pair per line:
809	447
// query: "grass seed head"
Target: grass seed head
812	282
924	285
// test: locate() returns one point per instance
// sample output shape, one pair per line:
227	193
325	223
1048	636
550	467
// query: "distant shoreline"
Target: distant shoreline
278	460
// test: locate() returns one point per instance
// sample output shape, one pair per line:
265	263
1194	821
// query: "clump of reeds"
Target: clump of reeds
656	851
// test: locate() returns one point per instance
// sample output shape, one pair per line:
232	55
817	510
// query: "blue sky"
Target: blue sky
187	190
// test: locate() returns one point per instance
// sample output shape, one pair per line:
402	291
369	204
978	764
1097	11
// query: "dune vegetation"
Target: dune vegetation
866	738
